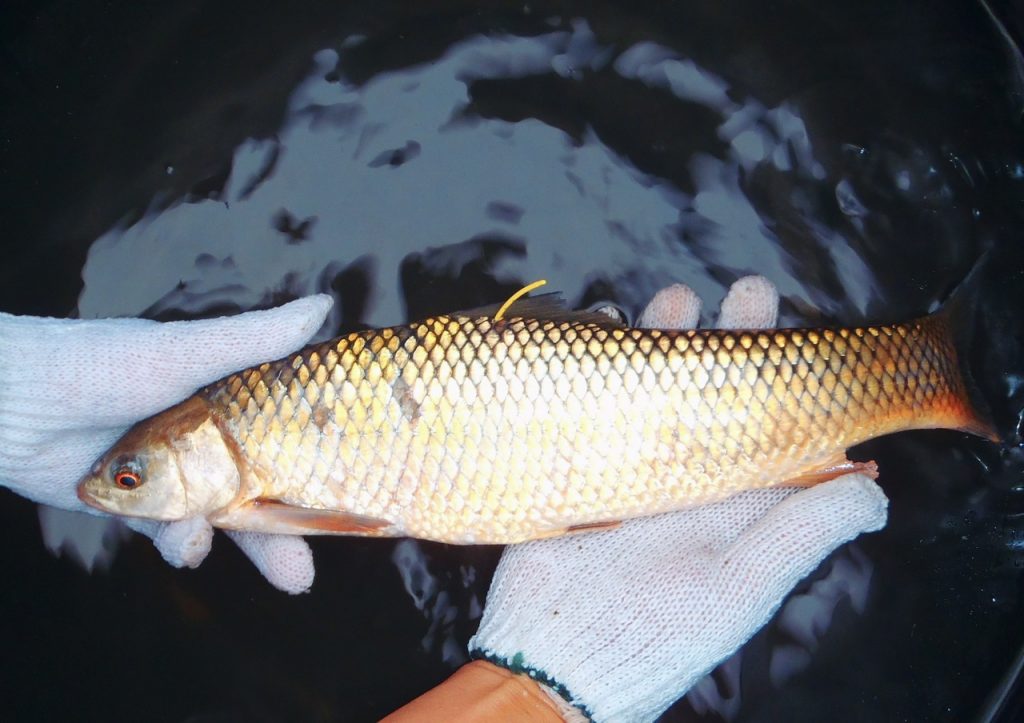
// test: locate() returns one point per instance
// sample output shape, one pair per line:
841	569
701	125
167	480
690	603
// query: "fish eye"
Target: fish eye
126	473
126	479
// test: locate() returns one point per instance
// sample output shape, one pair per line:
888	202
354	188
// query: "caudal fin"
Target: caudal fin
958	314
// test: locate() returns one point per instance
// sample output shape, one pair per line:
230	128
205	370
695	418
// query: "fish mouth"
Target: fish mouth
88	498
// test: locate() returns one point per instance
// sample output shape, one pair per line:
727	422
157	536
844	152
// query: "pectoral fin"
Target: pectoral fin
271	515
834	467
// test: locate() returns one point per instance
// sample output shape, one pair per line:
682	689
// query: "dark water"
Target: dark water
195	159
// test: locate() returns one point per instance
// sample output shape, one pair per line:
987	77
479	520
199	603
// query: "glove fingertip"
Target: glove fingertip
752	303
674	307
272	333
803	529
184	543
286	561
312	310
874	503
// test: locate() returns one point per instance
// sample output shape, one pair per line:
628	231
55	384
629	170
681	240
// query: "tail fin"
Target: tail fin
959	314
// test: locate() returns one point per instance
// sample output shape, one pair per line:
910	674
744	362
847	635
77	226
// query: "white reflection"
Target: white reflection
719	693
435	602
89	540
586	211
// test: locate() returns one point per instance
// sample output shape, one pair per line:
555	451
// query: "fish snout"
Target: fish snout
86	495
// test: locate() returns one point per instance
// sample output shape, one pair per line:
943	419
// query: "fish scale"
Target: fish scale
466	429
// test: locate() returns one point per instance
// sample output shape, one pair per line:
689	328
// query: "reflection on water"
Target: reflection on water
421	166
347	156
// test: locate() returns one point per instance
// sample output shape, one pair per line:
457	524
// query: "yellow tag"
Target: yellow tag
518	295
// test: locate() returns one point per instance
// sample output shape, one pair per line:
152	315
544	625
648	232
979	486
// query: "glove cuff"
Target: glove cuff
571	710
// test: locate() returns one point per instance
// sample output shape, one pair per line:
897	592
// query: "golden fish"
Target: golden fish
478	427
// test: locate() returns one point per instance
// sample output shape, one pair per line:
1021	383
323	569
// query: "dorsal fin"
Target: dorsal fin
546	307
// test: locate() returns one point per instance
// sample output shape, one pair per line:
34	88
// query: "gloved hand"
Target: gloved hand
622	623
69	388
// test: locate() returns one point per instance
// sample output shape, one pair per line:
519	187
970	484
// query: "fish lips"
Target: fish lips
88	496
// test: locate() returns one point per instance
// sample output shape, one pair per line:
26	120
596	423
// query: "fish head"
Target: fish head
172	466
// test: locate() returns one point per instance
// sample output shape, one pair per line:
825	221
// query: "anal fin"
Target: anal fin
835	467
593	526
577	529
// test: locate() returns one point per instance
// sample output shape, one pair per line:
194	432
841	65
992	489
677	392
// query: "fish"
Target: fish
530	421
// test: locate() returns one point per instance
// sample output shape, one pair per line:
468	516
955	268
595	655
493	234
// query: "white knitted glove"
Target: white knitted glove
70	387
622	623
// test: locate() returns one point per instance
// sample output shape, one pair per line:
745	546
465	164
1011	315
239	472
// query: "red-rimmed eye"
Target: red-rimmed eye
127	480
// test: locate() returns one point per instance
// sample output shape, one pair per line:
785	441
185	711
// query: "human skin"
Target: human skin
480	691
